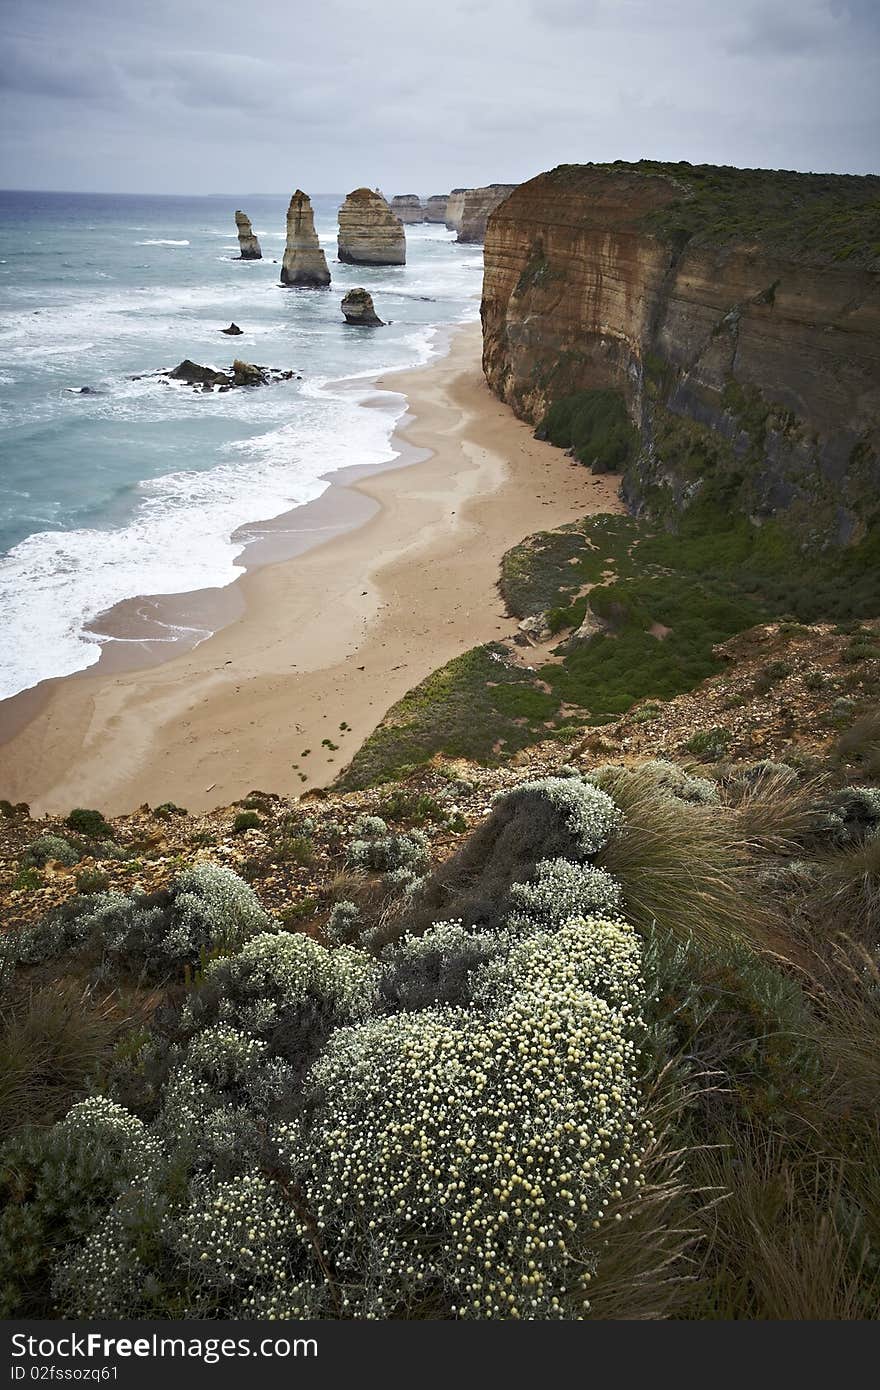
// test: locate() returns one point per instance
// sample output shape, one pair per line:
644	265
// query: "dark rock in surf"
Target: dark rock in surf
195	375
357	306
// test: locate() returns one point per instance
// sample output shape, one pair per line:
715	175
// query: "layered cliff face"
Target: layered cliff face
249	246
477	205
455	208
369	232
304	263
435	208
408	207
736	311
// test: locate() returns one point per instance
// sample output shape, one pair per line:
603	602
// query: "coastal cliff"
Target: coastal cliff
408	207
477	205
736	313
304	264
435	208
369	232
455	208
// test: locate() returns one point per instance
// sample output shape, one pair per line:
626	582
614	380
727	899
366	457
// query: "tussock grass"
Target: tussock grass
775	812
50	1047
683	867
776	1247
646	1247
860	743
847	902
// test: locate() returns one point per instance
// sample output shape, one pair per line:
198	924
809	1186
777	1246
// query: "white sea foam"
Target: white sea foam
176	535
53	584
161	241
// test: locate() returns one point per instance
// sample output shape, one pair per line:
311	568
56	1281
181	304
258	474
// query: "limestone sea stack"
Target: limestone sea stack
408	207
477	205
304	264
455	208
369	232
357	306
248	245
435	207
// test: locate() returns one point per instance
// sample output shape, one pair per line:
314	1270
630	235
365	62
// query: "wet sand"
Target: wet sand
396	574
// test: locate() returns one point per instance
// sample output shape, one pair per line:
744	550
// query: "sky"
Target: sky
418	96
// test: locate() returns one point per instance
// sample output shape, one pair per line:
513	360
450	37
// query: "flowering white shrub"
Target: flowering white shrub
560	890
235	1234
212	904
278	972
436	966
46	847
589	814
435	1131
100	1119
408	850
207	906
454	1154
218	1099
370	827
342	922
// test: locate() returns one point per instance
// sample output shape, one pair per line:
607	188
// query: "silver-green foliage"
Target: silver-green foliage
207	906
46	847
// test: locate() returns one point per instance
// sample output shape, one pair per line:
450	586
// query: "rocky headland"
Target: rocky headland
476	207
408	207
304	264
435	207
357	306
369	232
249	246
455	208
733	314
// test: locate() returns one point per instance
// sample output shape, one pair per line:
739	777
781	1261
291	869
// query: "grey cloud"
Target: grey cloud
213	94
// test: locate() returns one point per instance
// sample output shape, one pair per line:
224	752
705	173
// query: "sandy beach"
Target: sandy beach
330	637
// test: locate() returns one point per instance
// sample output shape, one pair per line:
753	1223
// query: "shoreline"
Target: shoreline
401	579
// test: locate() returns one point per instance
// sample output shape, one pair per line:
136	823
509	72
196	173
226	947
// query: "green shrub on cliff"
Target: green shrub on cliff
595	426
475	706
820	218
89	823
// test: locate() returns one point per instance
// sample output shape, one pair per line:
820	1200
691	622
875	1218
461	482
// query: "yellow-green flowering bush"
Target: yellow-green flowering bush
453	1155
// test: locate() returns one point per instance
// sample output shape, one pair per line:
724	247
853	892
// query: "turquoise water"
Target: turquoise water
139	486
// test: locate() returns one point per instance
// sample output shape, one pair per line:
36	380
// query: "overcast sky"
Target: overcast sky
237	96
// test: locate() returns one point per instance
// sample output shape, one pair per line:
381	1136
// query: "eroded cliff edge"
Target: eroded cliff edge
736	311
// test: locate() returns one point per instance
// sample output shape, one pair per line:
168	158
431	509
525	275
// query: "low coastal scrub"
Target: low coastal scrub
819	218
612	1056
470	708
595	426
639	615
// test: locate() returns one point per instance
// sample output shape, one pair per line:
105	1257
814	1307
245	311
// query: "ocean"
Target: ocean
138	486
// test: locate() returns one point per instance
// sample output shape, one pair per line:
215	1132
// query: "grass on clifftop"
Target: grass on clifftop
665	602
476	706
818	218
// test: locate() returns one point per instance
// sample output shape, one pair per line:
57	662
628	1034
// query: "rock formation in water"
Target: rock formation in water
304	264
249	247
233	331
737	313
357	306
477	205
408	207
369	232
435	207
455	208
242	374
